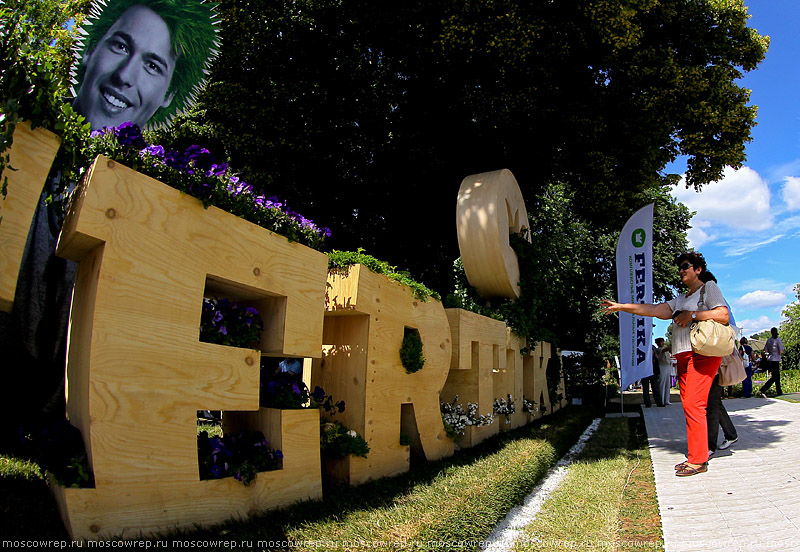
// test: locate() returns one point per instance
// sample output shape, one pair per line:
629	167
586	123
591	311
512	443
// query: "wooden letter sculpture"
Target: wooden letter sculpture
137	372
478	352
30	156
510	381
364	325
490	206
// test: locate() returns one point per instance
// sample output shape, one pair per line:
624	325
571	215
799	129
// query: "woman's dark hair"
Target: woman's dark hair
697	261
774	332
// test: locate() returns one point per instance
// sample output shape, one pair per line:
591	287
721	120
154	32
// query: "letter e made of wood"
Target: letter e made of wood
137	372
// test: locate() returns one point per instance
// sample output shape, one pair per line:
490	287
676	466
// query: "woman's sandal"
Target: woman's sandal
688	470
681	465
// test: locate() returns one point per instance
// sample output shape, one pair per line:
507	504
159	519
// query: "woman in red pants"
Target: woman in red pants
702	301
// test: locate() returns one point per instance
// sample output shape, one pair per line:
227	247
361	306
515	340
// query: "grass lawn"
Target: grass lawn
790	383
451	504
607	500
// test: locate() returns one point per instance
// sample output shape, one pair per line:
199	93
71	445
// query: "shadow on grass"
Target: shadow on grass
28	510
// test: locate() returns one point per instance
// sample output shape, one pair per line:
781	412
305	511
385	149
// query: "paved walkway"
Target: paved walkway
749	500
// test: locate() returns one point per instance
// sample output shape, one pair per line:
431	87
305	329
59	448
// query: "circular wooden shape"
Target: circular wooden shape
490	207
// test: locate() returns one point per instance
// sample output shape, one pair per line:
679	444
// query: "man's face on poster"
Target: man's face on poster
128	72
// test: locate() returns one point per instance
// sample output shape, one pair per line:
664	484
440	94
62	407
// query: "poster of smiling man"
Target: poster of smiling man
143	61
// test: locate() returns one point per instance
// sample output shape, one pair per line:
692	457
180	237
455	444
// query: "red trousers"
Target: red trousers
695	374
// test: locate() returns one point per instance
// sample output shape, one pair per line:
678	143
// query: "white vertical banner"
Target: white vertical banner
635	285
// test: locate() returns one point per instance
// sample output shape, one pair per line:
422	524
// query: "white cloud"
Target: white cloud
761	299
697	237
741	246
791	193
757	325
740	201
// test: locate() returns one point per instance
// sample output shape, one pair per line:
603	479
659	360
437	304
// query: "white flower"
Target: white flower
352	433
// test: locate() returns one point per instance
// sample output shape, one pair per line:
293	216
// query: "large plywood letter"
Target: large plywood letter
479	351
30	158
364	326
137	372
490	207
509	381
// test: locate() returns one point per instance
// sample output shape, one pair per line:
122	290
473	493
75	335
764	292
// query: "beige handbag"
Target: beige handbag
731	369
710	338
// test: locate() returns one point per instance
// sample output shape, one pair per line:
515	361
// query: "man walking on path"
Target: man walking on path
774	350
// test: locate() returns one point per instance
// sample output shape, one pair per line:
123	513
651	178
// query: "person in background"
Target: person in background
703	300
652	382
716	417
774	350
663	360
747	356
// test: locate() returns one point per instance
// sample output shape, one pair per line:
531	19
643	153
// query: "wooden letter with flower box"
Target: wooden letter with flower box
30	158
509	381
478	351
137	372
364	326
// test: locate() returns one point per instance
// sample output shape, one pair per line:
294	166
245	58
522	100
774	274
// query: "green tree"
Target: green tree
36	41
790	332
569	267
367	115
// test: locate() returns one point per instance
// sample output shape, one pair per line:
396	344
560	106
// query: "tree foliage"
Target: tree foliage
366	117
568	267
371	114
790	332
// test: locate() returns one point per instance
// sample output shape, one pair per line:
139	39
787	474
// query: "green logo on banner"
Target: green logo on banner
638	237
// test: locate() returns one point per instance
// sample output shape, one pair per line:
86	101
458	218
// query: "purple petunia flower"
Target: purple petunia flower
199	157
175	160
129	134
155	151
217	170
319	393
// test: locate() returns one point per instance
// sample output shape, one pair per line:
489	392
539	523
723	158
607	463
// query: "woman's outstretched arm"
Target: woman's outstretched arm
662	310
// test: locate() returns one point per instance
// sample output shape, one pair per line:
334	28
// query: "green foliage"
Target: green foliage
790	332
568	266
194	172
227	322
35	57
761	336
381	109
241	456
343	259
337	441
411	351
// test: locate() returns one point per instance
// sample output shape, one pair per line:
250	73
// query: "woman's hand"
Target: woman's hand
684	318
610	306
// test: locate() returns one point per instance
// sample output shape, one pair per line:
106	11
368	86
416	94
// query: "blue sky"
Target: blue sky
748	224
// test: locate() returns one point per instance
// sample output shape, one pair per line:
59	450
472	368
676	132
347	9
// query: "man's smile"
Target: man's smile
116	102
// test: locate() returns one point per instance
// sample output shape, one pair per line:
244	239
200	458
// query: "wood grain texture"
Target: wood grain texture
510	381
479	345
490	206
135	511
364	325
137	372
31	155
